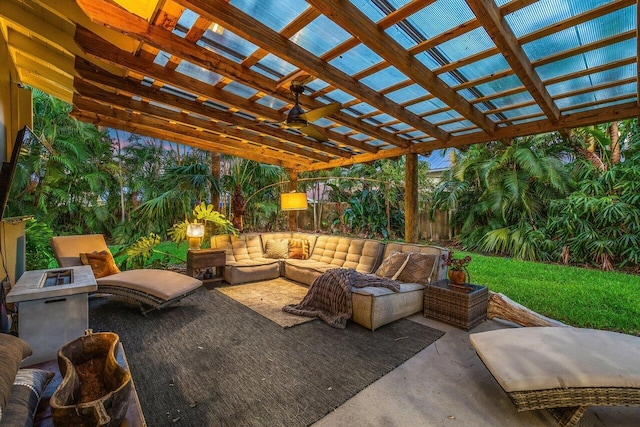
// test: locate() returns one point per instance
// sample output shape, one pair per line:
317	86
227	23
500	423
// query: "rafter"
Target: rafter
261	35
489	15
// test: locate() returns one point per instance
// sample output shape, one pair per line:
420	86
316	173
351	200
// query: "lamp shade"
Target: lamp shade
293	201
195	230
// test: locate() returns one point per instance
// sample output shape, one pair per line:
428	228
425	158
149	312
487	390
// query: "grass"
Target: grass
576	296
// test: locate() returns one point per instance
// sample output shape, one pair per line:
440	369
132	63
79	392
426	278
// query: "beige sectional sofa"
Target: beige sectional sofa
372	306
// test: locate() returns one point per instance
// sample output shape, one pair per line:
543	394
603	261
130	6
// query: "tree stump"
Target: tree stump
507	309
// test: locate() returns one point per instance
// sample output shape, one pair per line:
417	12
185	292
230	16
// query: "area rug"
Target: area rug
211	361
267	298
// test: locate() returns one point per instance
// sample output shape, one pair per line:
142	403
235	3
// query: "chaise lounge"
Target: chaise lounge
152	289
562	369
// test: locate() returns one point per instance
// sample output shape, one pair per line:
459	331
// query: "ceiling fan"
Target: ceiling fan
298	119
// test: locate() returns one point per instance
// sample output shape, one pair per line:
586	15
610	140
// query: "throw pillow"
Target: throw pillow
25	396
418	268
299	248
277	248
392	264
12	351
102	263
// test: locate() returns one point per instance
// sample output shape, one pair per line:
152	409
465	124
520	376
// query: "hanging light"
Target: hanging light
293	201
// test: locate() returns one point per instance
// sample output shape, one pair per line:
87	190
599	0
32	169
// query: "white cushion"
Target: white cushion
163	284
542	358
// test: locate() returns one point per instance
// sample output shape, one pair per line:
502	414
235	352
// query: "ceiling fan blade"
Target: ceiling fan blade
313	133
302	80
327	110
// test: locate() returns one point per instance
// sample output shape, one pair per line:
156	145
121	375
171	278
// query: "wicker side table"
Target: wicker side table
458	308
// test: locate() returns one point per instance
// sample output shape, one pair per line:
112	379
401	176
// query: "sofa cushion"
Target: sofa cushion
238	272
418	268
26	392
12	351
440	269
392	265
299	248
277	248
163	284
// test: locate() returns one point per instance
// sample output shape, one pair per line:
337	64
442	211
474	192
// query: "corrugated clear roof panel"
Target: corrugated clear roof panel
384	78
275	14
468	44
441	117
162	58
506	101
560	68
240	90
383	118
362	108
198	73
338	96
613	75
178	92
272	102
523	121
538	15
552	44
228	45
467	94
605	26
407	93
316	85
342	130
611	53
603	105
499	85
599	95
279	66
428	60
520	112
320	35
452	127
187	19
355	60
426	106
368	8
484	67
467	132
437	18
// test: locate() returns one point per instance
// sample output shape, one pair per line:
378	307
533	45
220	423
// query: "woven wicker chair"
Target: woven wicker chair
151	289
564	370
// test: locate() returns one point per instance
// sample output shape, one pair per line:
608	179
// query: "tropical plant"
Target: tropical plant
499	195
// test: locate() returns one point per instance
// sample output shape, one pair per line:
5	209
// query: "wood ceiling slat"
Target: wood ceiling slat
165	125
174	44
89	73
489	15
256	154
261	35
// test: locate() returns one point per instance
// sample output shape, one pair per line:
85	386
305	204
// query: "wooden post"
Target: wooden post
215	172
411	198
293	186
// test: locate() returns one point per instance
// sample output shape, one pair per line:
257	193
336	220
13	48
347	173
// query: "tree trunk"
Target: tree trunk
507	309
615	143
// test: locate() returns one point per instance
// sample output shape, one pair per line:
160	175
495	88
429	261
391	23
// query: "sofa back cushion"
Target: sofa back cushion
67	249
439	271
358	254
311	238
239	248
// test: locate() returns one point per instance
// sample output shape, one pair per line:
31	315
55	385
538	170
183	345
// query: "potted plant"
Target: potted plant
457	273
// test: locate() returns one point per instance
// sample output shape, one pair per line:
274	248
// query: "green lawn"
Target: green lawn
576	296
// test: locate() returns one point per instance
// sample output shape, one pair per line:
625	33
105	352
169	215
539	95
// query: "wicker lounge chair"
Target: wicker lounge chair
152	289
565	370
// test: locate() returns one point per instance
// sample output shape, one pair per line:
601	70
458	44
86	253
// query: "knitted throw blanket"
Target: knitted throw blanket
329	296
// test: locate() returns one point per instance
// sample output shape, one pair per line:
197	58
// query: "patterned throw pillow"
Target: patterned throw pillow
418	268
392	265
25	395
299	249
277	248
12	351
102	263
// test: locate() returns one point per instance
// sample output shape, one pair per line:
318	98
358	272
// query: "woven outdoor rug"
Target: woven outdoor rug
267	298
211	361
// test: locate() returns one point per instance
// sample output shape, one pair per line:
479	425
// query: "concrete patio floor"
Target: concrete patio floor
446	384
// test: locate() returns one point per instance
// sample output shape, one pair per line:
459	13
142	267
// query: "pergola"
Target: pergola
410	76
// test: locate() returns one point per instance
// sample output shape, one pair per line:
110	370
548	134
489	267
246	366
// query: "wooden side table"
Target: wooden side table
206	265
463	309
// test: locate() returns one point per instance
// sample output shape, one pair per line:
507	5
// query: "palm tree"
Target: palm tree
500	193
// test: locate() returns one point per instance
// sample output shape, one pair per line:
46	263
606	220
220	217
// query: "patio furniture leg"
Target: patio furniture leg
569	417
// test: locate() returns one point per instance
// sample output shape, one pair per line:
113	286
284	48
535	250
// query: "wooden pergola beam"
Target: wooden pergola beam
261	35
